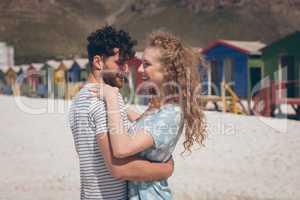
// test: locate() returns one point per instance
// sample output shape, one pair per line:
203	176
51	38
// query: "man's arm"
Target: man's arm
133	168
132	114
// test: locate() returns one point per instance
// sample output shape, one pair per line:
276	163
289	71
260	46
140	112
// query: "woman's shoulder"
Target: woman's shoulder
168	114
170	109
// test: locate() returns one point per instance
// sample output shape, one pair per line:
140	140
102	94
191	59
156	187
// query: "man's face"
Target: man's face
111	62
111	73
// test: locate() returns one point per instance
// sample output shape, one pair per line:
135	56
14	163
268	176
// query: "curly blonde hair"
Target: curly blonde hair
181	64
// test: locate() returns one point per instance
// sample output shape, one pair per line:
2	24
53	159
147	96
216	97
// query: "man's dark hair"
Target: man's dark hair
103	41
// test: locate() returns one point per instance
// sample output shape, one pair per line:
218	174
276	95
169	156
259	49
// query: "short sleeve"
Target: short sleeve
163	127
98	116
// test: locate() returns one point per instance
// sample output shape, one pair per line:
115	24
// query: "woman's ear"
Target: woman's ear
98	62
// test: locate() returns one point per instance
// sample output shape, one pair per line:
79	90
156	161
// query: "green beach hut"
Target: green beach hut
2	80
282	62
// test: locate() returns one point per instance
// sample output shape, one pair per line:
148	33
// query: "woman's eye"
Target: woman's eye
146	65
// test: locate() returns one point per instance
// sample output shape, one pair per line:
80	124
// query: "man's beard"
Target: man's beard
114	79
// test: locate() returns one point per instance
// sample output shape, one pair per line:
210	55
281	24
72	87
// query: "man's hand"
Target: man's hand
170	164
133	168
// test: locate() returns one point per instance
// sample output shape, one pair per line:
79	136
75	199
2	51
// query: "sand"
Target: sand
245	157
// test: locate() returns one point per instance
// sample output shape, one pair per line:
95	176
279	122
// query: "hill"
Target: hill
43	29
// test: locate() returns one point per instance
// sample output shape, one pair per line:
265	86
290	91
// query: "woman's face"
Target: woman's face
151	67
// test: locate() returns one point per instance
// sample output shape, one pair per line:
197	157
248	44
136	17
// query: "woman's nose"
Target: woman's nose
141	69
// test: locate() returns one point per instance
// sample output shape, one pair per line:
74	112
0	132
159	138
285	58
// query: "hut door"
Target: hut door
255	76
216	76
288	74
228	71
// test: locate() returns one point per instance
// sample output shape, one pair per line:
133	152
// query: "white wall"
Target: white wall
6	55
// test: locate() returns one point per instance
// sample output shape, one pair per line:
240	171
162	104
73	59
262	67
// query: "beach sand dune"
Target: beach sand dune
245	157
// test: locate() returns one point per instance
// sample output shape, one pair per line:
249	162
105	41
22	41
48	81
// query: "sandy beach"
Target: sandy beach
245	157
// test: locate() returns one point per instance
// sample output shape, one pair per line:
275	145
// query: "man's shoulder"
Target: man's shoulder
97	103
85	98
82	92
121	101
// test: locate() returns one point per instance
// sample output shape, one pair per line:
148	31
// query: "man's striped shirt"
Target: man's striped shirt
88	118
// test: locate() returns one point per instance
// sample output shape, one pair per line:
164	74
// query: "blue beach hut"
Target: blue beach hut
237	63
74	73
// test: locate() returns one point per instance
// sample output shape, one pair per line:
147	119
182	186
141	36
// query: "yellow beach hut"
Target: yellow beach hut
10	80
60	78
48	71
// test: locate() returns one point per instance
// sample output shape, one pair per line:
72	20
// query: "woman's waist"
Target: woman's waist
148	184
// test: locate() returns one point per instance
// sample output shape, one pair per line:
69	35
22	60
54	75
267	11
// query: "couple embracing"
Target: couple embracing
124	154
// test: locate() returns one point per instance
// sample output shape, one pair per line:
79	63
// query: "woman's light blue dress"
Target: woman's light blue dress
165	126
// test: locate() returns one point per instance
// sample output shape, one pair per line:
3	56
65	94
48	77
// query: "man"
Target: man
103	176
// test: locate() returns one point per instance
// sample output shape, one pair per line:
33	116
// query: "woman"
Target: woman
171	69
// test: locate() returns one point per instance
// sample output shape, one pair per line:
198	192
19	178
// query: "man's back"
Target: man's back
87	119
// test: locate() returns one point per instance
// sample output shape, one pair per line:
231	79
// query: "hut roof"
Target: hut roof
82	62
53	63
10	70
4	69
67	63
24	67
37	66
294	34
248	47
16	68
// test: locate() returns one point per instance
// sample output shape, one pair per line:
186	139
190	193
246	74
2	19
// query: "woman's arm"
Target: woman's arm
133	168
123	145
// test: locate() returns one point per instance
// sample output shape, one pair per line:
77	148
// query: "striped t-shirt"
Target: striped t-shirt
88	118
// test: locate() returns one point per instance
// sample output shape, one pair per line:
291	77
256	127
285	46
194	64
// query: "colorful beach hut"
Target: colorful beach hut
282	62
33	78
282	70
47	76
10	80
74	73
74	82
10	76
236	63
60	78
2	80
39	89
22	80
84	68
19	80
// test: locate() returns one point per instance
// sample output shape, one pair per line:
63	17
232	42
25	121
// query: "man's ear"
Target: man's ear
98	62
